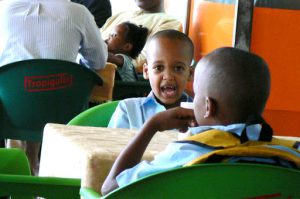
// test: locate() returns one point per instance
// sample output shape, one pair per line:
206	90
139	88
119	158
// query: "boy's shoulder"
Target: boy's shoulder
148	101
140	102
135	101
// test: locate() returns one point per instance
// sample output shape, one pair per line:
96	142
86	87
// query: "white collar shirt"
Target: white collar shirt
53	29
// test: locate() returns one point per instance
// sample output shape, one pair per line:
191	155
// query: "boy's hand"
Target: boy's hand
179	118
175	118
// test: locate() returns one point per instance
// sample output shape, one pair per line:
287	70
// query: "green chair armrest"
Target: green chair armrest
33	186
88	193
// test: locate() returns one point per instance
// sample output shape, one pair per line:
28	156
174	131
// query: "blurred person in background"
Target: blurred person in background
100	9
151	14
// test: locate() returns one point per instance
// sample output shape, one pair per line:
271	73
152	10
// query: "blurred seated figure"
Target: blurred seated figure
101	9
151	14
125	43
49	29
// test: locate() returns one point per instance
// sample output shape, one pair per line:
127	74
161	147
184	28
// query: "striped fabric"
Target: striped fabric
55	29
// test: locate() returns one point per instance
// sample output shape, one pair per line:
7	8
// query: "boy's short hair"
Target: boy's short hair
175	35
137	36
240	79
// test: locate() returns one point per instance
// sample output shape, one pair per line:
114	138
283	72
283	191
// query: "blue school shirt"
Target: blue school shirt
178	154
132	113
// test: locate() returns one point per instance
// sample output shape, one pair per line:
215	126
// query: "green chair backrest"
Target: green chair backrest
27	187
35	92
214	181
16	181
14	161
97	116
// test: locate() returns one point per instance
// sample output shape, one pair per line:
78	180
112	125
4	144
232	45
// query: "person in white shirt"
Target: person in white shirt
56	29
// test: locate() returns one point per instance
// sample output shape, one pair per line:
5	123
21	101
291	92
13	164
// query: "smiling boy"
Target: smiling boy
169	57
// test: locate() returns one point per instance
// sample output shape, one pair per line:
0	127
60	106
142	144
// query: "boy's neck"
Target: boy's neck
168	106
156	9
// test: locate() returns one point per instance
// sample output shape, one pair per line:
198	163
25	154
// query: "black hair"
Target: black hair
241	78
137	36
176	35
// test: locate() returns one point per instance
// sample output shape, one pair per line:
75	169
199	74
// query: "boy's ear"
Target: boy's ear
210	107
145	71
128	47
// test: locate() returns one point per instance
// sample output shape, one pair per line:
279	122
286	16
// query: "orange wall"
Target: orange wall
275	36
210	27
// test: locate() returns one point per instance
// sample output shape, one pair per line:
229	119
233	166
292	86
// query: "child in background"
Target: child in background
150	14
231	89
125	43
169	56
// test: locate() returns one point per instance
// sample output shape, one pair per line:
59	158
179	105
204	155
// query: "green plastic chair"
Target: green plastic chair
89	193
16	181
25	187
14	161
36	92
97	116
212	181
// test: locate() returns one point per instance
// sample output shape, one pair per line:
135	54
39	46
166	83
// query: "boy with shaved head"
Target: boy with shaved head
231	89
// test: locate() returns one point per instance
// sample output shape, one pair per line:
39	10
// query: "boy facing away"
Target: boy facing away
169	56
124	43
231	89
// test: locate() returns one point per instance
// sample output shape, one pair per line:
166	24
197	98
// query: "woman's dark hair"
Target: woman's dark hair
137	36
